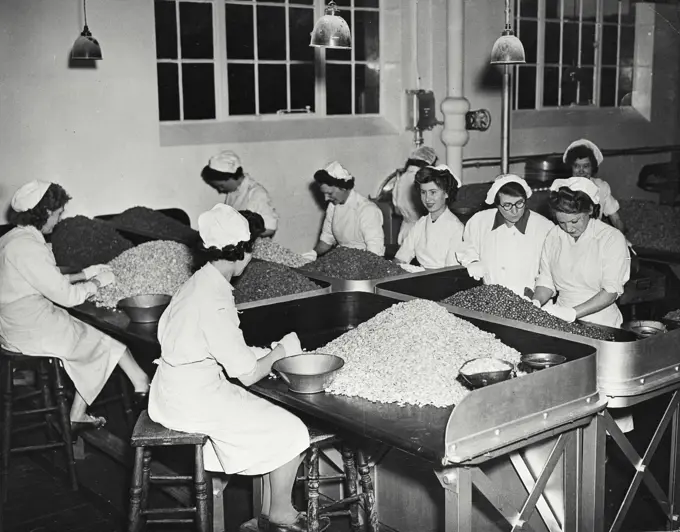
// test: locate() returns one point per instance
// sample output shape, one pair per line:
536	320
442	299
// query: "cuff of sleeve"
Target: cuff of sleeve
325	241
466	257
545	282
613	288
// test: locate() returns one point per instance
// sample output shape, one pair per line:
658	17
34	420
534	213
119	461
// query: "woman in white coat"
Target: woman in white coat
435	238
584	261
200	341
503	245
33	292
352	220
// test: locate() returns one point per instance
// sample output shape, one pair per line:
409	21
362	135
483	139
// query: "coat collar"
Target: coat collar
521	224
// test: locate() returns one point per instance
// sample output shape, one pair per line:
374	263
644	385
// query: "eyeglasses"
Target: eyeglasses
518	205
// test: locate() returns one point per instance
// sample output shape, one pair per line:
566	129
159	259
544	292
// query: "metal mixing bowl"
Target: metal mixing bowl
146	308
478	380
308	373
645	329
536	361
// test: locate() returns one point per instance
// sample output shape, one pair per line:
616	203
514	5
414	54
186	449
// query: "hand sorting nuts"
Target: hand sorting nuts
353	264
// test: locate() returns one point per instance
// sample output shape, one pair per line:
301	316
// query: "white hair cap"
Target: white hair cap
29	195
504	179
587	144
444	168
226	161
582	184
222	226
336	170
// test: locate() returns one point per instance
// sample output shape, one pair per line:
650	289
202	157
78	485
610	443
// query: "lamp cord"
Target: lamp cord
507	13
85	11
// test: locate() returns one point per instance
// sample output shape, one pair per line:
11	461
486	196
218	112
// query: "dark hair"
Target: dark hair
324	178
232	252
54	199
572	202
442	178
511	189
210	175
582	152
417	162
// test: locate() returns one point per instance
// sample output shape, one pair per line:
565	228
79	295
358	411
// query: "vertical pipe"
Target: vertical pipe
505	121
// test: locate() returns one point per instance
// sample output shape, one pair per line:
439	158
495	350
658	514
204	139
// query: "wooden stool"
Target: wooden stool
50	389
147	434
122	394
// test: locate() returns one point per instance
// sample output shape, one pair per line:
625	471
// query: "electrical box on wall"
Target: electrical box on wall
420	110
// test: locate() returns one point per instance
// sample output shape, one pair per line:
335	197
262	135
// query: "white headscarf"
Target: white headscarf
225	161
222	226
504	179
444	168
582	184
336	170
587	144
29	195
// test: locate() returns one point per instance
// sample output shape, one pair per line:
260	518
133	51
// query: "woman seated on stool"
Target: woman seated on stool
200	342
32	292
435	238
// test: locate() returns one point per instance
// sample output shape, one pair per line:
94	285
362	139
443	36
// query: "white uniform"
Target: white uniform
511	255
580	269
251	196
434	244
609	205
406	202
200	336
31	287
356	224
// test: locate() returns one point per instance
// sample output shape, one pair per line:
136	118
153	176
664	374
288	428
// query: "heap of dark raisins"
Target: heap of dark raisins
353	264
265	280
154	223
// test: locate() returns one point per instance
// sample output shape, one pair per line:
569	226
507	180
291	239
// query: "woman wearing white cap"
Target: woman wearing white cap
435	238
584	261
584	158
352	220
201	341
32	292
225	174
503	245
405	198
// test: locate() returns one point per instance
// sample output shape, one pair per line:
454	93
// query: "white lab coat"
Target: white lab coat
251	196
356	224
609	205
434	244
580	269
200	341
511	257
32	323
406	202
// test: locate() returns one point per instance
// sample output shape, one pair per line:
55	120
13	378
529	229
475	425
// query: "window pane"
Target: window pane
345	3
571	9
195	22
367	90
301	24
570	44
550	86
552	9
366	3
341	55
610	10
273	87
625	86
305	2
527	34
198	88
241	89
585	84
338	89
366	36
528	8
166	30
609	37
569	85
607	87
526	87
240	43
271	32
588	44
302	86
168	91
552	43
589	10
627	46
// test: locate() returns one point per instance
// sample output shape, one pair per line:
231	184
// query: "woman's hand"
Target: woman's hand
291	343
567	314
105	278
95	270
476	270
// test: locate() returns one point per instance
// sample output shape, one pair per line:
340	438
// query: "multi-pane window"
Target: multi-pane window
578	53
221	58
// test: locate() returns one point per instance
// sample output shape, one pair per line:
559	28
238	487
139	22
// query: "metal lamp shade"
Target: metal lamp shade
507	50
86	47
331	31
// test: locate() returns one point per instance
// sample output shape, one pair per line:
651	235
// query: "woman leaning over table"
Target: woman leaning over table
435	238
33	292
200	341
584	261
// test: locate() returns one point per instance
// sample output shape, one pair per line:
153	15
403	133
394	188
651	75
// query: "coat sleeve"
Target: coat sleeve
407	251
470	249
36	264
545	277
371	227
615	262
261	203
608	203
455	245
327	229
225	342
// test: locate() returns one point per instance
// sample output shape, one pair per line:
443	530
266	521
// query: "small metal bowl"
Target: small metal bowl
308	373
485	378
146	308
645	329
538	361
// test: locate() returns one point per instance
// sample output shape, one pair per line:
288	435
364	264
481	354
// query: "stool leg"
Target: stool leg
48	402
368	493
203	520
146	478
7	384
126	399
136	490
64	420
313	489
351	485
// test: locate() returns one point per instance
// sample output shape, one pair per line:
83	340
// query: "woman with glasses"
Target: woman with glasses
503	245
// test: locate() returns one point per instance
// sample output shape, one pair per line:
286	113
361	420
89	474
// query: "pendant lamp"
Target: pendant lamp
508	49
86	46
331	30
